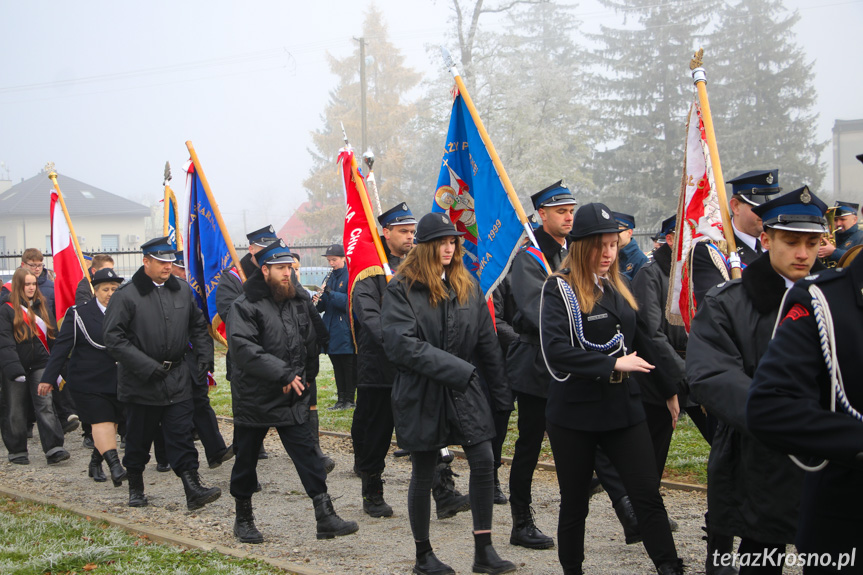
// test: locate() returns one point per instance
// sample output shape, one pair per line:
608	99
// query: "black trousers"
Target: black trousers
531	431
299	444
204	420
345	372
481	492
142	426
763	550
631	453
501	425
372	428
659	424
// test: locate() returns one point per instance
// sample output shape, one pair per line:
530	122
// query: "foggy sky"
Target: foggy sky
109	91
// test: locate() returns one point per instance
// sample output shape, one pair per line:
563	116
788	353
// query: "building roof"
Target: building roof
295	228
32	197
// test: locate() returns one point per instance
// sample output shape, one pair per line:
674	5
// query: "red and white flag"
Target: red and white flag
698	218
67	266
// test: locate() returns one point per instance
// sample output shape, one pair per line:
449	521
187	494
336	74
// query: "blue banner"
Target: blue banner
470	191
207	252
172	220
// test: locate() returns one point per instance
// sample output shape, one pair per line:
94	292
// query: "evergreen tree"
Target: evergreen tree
762	95
388	113
643	98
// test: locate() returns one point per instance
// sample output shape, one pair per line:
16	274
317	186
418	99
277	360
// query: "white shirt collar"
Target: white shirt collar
788	283
158	285
598	281
747	239
101	307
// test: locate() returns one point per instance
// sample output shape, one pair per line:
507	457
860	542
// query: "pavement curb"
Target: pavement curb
157	535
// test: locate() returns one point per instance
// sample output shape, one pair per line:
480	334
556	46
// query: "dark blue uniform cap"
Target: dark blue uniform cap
556	194
275	253
626	221
337	250
262	237
797	211
106	275
399	215
159	249
534	221
860	158
593	219
435	225
668	226
846	208
756	187
178	260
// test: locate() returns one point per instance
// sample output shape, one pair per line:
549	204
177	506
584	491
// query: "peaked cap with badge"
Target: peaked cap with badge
399	215
106	275
275	253
262	237
159	249
593	219
756	187
556	194
797	211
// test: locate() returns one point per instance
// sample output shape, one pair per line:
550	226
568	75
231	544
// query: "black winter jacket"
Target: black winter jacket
437	398
89	369
19	358
268	345
145	326
754	490
374	370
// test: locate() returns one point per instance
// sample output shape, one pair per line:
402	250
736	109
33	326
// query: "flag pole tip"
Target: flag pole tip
697	60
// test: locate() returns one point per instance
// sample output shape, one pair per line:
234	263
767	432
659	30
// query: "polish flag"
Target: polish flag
67	266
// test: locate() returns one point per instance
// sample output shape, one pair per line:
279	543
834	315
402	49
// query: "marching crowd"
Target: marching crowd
579	341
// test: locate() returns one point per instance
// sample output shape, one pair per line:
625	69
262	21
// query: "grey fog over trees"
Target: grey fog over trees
604	111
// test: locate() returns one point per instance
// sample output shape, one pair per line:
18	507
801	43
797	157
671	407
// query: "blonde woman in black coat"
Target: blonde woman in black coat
437	329
591	343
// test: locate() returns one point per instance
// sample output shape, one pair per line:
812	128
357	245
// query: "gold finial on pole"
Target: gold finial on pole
696	61
49	167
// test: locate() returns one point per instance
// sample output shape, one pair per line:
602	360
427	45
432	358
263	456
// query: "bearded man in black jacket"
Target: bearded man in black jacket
269	328
147	329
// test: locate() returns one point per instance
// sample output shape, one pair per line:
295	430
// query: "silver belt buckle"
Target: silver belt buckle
616	377
167	365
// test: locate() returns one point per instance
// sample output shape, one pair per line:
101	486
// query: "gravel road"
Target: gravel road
382	546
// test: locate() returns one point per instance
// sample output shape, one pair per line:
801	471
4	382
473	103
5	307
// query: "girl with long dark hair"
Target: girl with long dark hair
26	336
591	343
438	331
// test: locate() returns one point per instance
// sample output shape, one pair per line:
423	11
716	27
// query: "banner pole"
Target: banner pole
222	227
492	152
700	77
53	176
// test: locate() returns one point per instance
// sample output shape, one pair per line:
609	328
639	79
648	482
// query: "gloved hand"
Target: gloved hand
21	379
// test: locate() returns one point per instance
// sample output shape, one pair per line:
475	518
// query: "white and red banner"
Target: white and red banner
698	218
67	266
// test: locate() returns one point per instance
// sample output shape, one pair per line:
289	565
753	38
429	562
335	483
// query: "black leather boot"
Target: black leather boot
717	546
499	497
118	473
525	532
329	524
448	501
670	568
328	462
428	564
136	490
95	470
373	496
486	559
196	494
626	516
244	523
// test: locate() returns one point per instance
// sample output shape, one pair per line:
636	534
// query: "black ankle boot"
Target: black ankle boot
670	567
95	470
328	523
244	524
428	564
626	516
448	501
499	497
196	494
373	496
136	490
486	559
314	419
717	546
118	473
525	532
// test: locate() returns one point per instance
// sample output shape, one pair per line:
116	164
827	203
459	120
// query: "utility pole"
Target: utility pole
362	41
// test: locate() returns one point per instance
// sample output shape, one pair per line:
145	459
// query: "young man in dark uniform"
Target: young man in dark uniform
749	190
268	330
155	372
333	305
754	490
630	258
372	428
848	233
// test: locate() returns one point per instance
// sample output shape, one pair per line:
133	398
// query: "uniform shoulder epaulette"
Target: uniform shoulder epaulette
721	287
825	276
